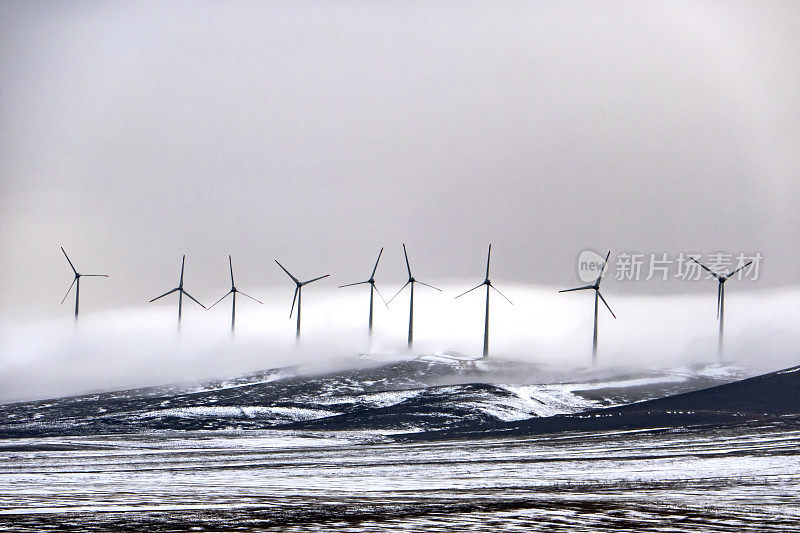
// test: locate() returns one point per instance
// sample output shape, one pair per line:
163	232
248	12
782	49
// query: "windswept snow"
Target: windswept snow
548	400
424	393
245	411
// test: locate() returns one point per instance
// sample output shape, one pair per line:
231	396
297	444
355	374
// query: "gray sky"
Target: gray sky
315	132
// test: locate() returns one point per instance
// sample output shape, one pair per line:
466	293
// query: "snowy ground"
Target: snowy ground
280	449
680	480
424	393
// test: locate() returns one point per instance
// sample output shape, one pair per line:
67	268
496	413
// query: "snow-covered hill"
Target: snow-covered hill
426	393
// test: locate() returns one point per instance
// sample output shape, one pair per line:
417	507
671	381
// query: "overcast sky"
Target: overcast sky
316	132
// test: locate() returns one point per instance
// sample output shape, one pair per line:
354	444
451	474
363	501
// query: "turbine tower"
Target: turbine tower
77	282
233	291
181	292
489	285
597	293
720	298
372	289
298	294
411	281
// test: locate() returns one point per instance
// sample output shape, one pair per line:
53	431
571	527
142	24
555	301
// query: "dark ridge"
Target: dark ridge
770	398
437	406
413	395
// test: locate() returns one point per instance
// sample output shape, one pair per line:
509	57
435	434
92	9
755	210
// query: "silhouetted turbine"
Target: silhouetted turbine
233	291
298	294
596	287
720	298
181	292
372	289
411	281
77	282
489	285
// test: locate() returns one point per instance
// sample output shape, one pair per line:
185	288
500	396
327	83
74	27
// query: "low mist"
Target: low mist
141	346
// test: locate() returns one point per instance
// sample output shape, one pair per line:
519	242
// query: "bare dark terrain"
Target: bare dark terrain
432	444
422	394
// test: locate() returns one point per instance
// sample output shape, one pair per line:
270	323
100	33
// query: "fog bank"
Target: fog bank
141	346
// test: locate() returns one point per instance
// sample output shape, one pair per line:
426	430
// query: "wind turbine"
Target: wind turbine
298	294
372	289
181	292
597	293
233	291
77	282
411	281
489	285
720	297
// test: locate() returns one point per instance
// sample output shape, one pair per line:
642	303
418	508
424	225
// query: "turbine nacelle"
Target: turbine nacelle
181	292
76	280
411	281
487	281
372	287
489	285
234	291
298	294
721	279
597	295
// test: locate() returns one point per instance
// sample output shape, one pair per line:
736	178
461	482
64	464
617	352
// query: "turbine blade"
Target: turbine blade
488	258
578	288
352	284
230	263
603	268
469	291
500	293
183	262
293	300
94	275
218	301
68	261
248	296
737	270
68	290
605	302
381	295
376	263
431	286
287	272
165	294
193	298
705	268
719	297
315	279
408	266
398	293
